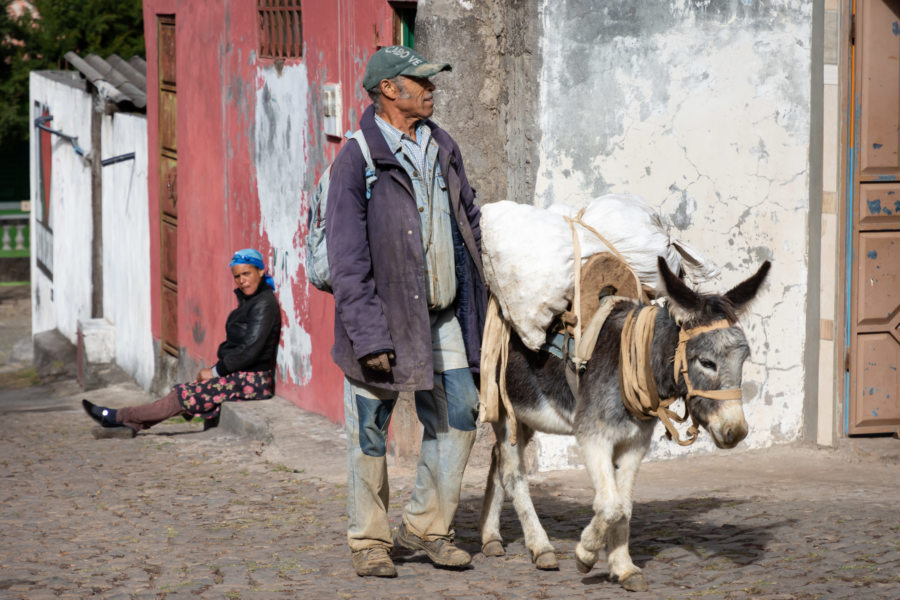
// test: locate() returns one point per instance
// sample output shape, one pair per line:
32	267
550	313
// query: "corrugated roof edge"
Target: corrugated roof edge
116	80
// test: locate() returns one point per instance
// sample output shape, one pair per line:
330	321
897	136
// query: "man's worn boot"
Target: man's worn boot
375	562
441	551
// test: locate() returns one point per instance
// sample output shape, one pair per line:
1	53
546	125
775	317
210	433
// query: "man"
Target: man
405	263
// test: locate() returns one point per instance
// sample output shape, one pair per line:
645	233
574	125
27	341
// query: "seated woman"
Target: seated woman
246	366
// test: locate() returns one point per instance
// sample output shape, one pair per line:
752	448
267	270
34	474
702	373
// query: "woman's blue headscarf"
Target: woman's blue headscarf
252	257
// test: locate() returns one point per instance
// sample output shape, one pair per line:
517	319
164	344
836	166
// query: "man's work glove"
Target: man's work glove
378	361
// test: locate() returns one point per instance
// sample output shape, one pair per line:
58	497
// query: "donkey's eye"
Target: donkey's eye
707	364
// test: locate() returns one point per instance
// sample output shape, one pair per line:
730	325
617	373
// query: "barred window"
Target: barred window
280	29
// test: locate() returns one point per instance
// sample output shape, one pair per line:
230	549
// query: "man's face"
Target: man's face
415	98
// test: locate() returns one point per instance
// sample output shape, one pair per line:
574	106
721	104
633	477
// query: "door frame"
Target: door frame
848	202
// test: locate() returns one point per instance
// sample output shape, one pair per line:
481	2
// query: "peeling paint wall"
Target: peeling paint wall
126	245
281	162
250	149
703	109
59	303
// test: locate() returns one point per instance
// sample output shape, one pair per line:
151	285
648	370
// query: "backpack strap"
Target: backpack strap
367	156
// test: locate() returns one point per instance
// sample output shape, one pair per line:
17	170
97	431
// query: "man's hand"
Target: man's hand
204	374
379	361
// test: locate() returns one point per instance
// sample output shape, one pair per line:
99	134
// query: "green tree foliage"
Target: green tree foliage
41	39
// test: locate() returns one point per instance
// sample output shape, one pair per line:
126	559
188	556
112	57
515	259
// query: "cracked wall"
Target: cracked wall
703	109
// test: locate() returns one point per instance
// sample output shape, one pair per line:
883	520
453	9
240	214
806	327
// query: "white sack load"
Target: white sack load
528	254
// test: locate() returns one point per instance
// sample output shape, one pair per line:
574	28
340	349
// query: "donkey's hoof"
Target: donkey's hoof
634	582
546	561
582	566
493	548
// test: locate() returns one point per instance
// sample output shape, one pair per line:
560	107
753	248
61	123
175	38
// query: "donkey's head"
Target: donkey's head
714	350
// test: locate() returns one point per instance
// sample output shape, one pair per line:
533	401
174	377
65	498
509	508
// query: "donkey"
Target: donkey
613	441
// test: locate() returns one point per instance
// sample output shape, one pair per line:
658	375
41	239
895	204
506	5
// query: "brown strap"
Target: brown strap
681	366
685	335
629	384
578	219
504	395
590	332
494	352
576	300
489	393
731	394
638	384
692	432
636	380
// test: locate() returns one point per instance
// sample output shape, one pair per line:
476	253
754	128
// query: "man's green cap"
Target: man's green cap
390	61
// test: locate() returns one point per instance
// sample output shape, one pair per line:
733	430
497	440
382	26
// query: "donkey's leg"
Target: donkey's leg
628	462
597	453
491	540
515	481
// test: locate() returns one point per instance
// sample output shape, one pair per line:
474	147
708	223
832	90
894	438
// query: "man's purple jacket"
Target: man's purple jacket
378	268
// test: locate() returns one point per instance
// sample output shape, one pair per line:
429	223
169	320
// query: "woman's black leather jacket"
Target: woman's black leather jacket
251	333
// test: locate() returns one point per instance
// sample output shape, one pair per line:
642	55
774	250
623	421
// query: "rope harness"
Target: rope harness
576	245
638	385
494	349
636	381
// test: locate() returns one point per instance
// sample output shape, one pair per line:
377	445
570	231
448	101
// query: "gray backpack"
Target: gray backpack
316	261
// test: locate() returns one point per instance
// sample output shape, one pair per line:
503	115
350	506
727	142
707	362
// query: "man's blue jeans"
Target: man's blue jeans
448	414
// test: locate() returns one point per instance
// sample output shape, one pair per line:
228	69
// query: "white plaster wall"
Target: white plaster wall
703	109
60	303
126	245
281	159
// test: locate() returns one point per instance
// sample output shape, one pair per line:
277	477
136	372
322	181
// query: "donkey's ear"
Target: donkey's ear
677	291
744	292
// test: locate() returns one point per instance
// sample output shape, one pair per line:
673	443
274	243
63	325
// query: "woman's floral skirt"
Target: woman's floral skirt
204	398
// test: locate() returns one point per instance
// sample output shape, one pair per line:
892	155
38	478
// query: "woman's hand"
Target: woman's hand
204	374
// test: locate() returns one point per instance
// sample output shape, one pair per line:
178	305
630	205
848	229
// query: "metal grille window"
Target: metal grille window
280	29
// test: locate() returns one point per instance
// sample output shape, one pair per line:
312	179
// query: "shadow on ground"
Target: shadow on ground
704	527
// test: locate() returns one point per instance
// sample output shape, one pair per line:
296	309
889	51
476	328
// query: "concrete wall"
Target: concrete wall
489	102
702	108
59	303
126	245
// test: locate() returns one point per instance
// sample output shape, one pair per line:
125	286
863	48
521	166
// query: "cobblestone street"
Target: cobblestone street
182	513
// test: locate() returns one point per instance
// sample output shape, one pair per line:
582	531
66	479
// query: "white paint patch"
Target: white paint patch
281	161
126	245
710	123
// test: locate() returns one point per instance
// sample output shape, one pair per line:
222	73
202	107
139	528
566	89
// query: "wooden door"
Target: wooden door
404	23
168	183
874	359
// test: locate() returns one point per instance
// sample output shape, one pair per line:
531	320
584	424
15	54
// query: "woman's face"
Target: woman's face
247	278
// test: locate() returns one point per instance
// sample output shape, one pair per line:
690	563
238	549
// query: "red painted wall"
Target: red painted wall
218	206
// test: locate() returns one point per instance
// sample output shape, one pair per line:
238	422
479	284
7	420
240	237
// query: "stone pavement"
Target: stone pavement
255	509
